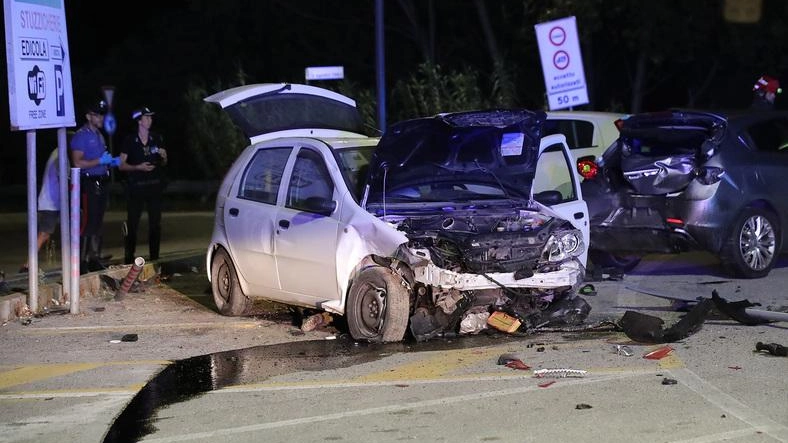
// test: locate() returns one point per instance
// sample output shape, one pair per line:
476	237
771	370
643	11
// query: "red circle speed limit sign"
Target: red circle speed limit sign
557	36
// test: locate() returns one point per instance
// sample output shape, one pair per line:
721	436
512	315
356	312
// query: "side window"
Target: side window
578	133
264	175
554	175
771	135
310	180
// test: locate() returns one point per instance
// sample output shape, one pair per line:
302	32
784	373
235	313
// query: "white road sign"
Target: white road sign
325	73
39	71
562	63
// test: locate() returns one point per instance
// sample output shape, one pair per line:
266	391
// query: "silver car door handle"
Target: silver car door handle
234	212
284	224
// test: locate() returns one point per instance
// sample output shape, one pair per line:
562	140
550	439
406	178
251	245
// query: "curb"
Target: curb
14	305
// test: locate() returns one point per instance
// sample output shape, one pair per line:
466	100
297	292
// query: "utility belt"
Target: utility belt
98	178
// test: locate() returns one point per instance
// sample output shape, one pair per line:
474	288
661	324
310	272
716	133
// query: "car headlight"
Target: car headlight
563	245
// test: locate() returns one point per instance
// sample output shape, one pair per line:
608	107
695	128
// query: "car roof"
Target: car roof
271	110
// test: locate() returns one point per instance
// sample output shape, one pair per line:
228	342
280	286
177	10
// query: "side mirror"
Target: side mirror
548	198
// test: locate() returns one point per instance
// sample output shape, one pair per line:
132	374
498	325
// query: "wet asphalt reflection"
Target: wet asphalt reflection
185	379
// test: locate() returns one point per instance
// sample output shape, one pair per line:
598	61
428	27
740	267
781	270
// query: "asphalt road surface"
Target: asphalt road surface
193	375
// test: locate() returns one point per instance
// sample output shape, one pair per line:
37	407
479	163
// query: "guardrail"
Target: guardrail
179	194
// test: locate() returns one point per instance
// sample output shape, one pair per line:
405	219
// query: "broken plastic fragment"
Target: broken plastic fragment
648	329
623	350
658	354
546	384
669	381
583	406
517	364
772	348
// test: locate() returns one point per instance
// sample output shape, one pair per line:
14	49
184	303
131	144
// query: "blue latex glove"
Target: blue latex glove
115	162
106	158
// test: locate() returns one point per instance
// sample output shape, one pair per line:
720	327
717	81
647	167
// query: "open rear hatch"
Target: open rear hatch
660	152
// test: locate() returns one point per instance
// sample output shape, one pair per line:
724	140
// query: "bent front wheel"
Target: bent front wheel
378	306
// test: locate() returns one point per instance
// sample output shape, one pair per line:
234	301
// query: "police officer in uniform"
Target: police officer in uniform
89	153
143	157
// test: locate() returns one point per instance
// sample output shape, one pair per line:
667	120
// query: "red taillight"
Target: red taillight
619	123
675	221
587	169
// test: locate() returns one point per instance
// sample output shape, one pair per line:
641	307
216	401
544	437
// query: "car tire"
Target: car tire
378	306
752	246
227	294
604	259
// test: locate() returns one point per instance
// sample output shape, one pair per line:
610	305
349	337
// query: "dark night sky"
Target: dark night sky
154	52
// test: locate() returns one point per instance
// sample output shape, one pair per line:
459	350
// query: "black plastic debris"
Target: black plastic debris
669	381
649	329
583	406
129	337
737	309
772	348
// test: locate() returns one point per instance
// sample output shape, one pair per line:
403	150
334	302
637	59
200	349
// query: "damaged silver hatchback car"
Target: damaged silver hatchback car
435	225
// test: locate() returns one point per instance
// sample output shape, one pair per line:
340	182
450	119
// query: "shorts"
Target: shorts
48	221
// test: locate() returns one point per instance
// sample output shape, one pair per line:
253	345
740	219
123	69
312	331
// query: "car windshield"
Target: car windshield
457	157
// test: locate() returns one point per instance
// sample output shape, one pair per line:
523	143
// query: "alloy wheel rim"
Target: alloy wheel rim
757	242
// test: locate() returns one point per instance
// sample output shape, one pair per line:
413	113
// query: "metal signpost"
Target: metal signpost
562	63
40	96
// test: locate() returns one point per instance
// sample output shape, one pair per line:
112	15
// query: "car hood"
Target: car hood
494	147
659	153
268	110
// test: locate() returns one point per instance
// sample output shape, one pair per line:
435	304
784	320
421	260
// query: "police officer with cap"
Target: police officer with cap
143	157
89	153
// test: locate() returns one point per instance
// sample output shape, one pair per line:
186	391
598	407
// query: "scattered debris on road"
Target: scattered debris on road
659	353
559	373
772	348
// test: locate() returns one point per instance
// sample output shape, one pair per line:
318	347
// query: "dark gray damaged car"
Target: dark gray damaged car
681	180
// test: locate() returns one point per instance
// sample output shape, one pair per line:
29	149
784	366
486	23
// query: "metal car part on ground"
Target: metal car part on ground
438	218
691	180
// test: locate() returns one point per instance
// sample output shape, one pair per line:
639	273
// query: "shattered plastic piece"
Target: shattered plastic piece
623	350
517	364
559	373
659	353
583	406
735	368
506	358
114	341
129	337
669	381
772	348
648	329
737	310
546	384
587	289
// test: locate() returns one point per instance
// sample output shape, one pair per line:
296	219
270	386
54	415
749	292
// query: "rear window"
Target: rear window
579	134
269	113
662	142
